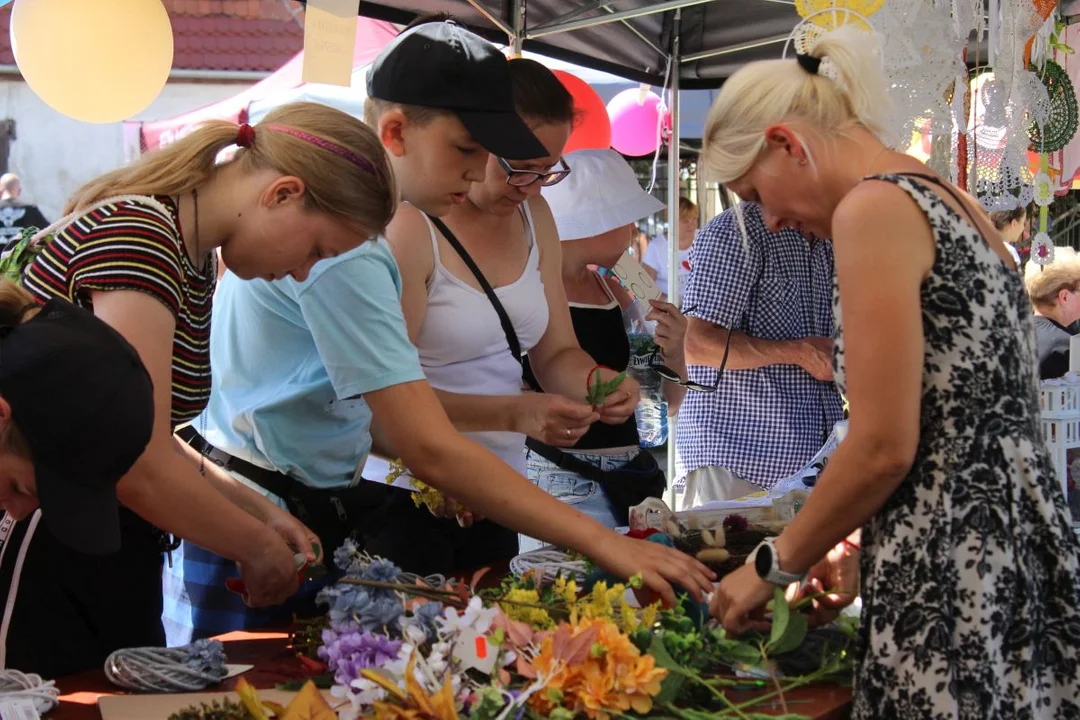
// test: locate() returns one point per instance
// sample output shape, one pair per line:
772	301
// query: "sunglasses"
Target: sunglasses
525	178
673	377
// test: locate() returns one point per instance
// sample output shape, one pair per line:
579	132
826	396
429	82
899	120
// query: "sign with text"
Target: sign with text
329	41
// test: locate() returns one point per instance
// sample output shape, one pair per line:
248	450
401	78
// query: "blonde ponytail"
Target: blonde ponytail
849	90
315	143
170	170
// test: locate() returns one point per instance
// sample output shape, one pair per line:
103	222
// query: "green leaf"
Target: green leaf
793	636
672	684
780	617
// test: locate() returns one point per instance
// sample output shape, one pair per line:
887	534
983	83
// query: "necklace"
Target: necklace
865	174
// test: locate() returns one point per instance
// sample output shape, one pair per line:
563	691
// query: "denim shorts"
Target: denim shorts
585	495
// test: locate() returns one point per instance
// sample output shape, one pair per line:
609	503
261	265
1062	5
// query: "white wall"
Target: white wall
54	154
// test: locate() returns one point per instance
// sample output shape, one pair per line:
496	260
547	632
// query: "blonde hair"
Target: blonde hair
1044	282
687	208
848	91
16	307
359	196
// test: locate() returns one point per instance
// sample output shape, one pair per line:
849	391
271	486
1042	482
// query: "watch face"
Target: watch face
763	560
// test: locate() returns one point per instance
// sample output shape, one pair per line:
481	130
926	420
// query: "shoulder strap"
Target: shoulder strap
504	318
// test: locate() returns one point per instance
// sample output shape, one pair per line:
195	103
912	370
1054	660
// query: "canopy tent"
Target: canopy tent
371	37
629	38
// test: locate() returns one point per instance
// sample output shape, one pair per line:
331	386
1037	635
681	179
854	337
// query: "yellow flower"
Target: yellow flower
566	589
628	616
536	617
648	615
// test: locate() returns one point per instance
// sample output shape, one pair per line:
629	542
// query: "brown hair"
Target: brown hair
539	95
16	307
334	185
1003	218
1044	282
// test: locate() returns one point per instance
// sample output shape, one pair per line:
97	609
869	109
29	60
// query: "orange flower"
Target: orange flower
611	677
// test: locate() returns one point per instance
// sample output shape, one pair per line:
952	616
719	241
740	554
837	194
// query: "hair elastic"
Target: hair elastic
360	162
245	136
809	63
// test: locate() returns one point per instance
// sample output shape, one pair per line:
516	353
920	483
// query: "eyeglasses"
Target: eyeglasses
525	178
673	377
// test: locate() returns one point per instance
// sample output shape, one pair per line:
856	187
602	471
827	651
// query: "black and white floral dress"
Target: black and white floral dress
970	573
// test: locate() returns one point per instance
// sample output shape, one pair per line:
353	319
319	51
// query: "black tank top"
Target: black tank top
601	333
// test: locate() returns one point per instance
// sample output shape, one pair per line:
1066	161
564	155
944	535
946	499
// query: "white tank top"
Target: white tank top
463	348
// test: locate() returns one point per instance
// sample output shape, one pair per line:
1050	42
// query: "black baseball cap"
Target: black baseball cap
443	65
84	401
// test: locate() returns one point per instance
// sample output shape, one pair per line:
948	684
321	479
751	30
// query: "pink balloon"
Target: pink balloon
633	122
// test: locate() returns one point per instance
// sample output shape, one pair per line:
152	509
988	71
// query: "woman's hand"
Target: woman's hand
296	534
269	577
553	419
670	330
740	599
837	575
620	405
659	565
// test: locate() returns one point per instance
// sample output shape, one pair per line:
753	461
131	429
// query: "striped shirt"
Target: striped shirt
135	245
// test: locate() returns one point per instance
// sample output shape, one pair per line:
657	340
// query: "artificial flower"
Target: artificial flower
535	616
476	617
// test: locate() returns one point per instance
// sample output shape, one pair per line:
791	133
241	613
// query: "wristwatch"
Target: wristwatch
767	563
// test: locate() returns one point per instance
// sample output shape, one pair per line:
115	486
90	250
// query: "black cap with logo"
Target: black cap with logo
83	400
443	65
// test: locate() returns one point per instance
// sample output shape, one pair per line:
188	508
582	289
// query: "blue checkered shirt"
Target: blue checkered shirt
762	424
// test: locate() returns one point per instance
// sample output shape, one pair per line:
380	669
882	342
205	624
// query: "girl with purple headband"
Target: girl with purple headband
138	247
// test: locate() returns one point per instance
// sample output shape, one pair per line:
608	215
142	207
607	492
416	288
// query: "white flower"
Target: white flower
476	617
361	694
414	635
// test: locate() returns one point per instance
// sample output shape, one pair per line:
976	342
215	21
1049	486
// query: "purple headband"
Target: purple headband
245	138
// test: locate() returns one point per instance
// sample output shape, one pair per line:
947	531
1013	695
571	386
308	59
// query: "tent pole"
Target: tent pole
673	226
517	10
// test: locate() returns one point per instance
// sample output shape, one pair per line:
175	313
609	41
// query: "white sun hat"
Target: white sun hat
601	193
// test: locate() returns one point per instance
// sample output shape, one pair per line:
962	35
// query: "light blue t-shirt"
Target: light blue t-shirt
291	360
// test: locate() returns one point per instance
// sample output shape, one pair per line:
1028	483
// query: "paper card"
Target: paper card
636	279
476	652
329	41
234	670
142	707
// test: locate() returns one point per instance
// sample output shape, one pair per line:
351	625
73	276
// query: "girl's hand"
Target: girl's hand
659	565
620	405
294	533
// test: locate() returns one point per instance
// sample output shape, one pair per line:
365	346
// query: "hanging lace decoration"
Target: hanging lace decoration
1042	249
827	13
923	58
1060	122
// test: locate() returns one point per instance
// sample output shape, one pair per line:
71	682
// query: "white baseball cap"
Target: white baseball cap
601	193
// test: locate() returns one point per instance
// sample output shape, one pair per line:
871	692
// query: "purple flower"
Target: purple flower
348	651
381	570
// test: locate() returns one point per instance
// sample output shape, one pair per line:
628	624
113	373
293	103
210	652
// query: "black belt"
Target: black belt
276	483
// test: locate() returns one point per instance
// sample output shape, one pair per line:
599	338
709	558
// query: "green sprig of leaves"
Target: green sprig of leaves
601	389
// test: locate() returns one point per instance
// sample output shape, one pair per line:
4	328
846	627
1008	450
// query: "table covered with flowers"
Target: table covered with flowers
504	646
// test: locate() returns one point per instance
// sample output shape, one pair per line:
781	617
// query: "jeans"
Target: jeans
585	495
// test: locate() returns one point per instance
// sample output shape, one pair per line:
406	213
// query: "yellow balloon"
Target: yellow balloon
99	61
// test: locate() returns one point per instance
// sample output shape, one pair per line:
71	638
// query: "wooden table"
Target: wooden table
274	663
